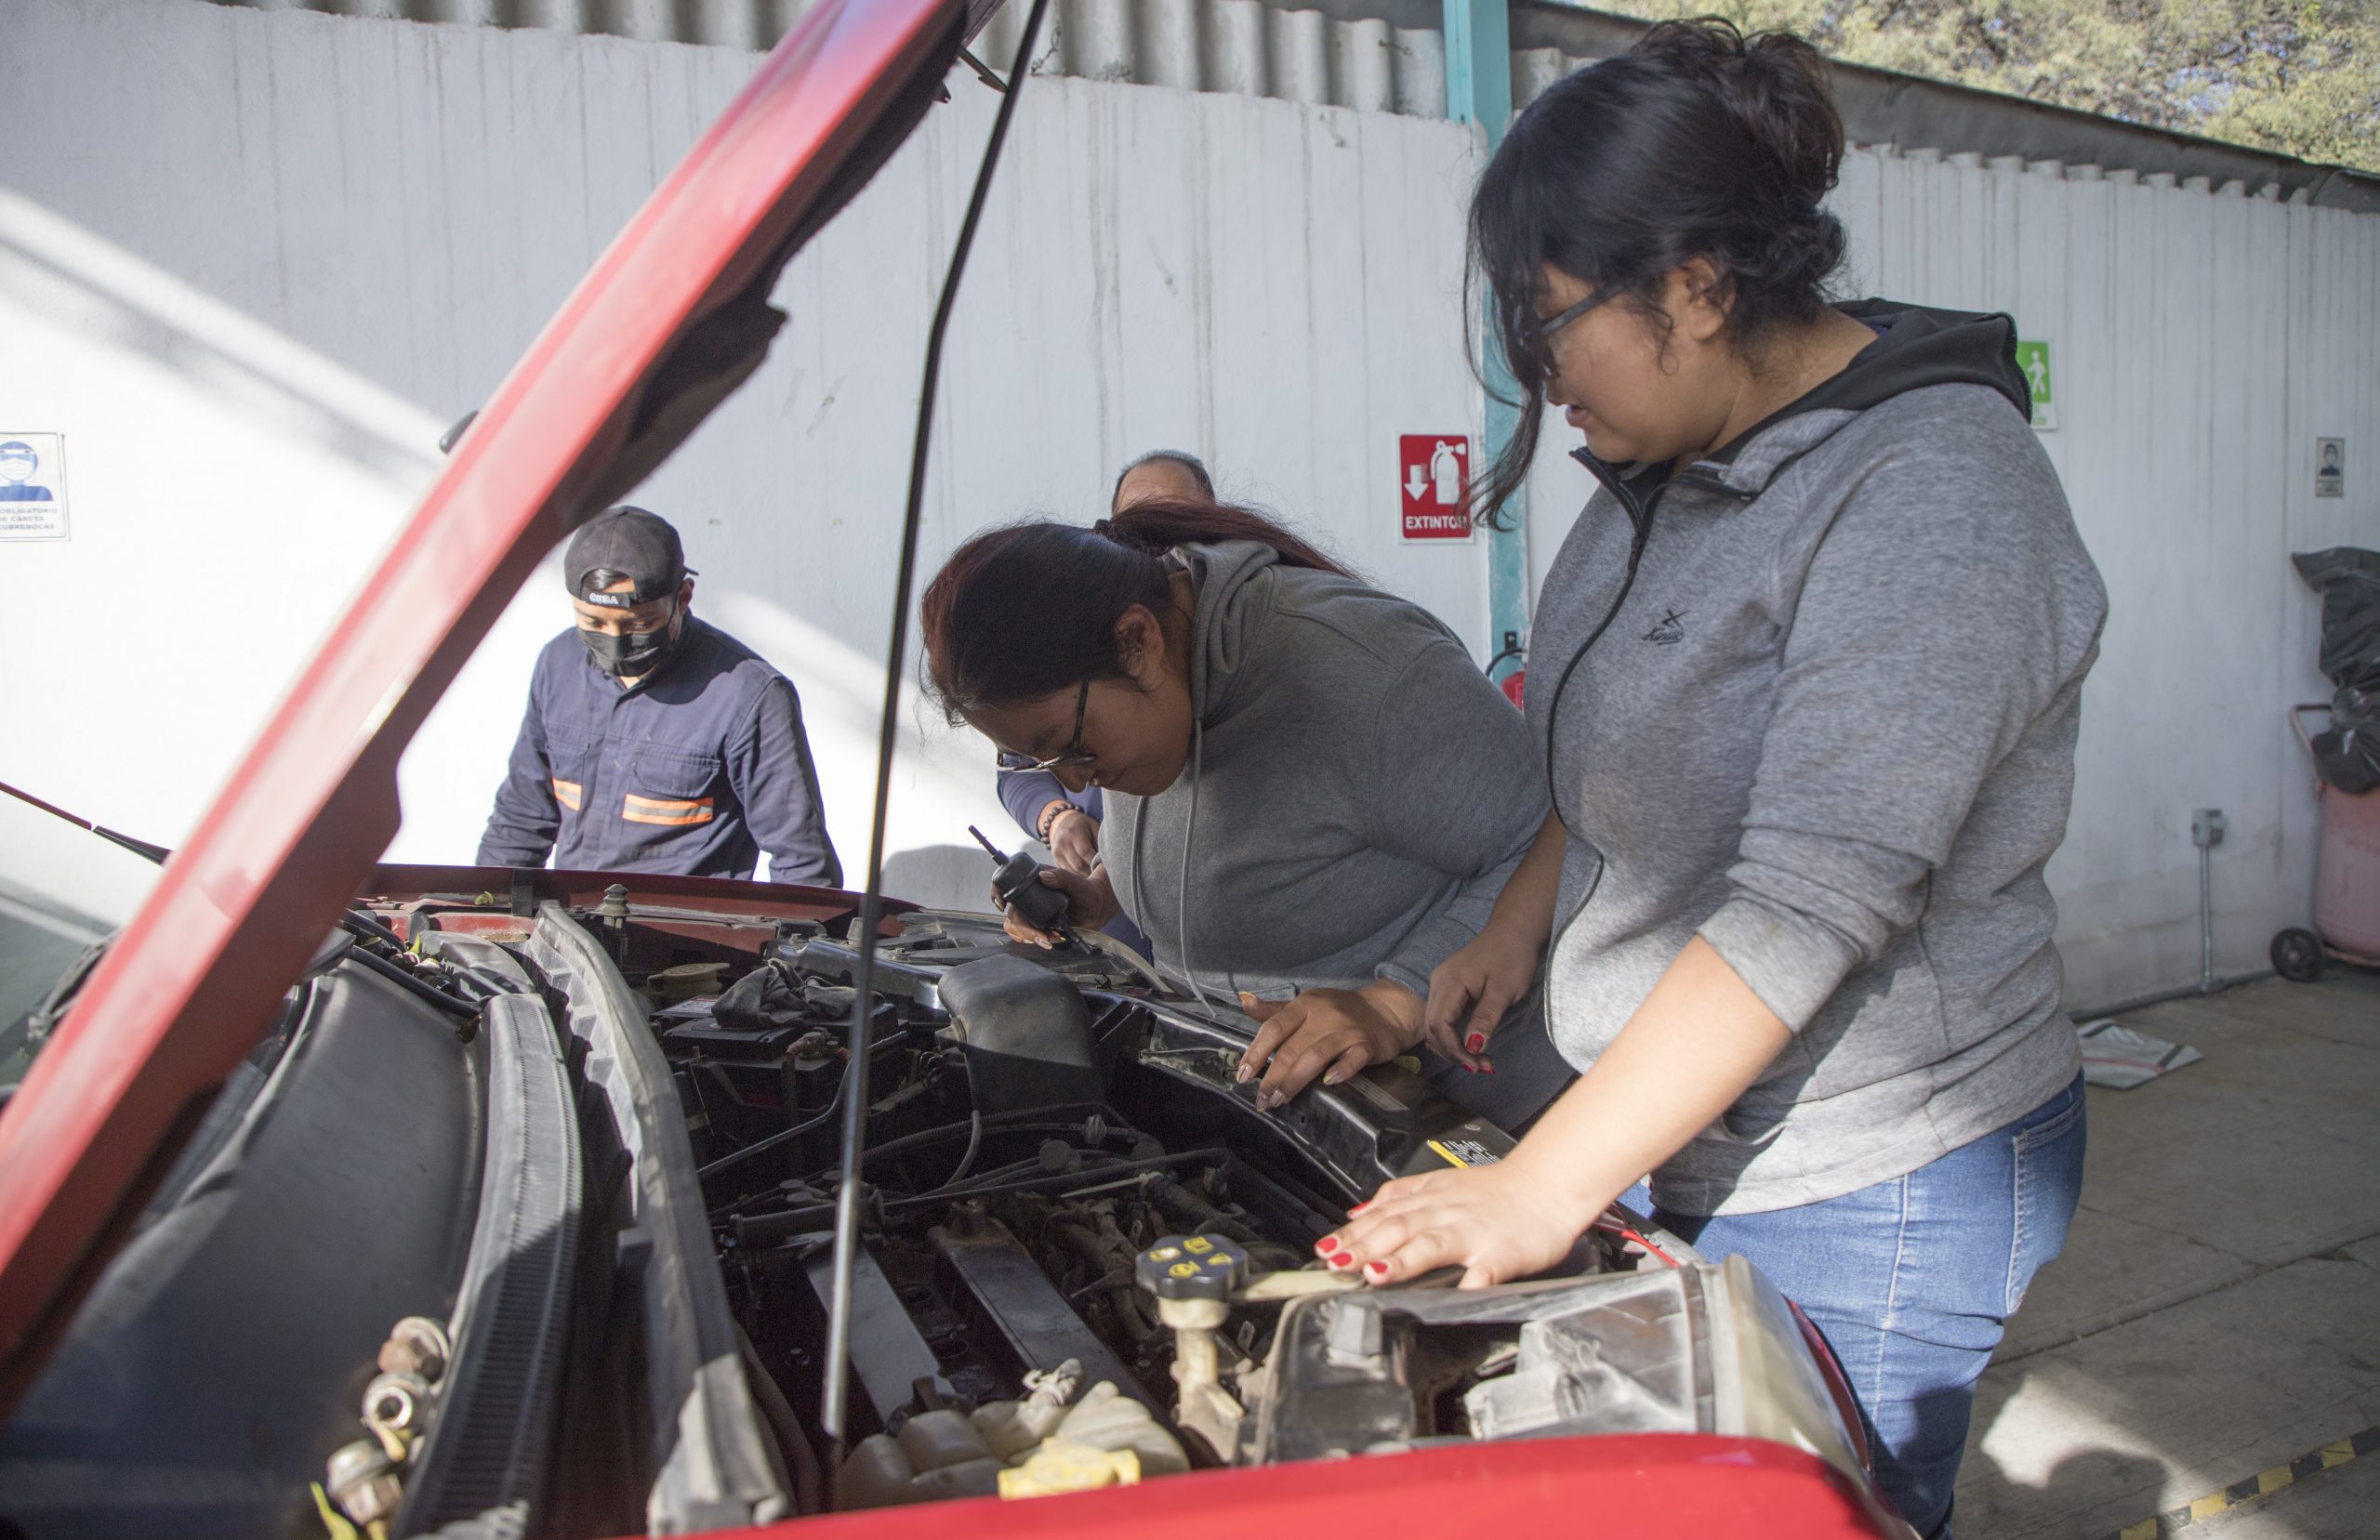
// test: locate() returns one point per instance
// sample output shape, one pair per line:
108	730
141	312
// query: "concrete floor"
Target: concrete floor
2217	1310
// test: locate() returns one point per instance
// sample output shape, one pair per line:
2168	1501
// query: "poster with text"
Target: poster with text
33	486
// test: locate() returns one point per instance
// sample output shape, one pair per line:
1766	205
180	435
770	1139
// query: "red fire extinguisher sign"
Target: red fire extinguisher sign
1431	470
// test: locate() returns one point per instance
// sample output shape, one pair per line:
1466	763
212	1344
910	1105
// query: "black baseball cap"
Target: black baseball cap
627	542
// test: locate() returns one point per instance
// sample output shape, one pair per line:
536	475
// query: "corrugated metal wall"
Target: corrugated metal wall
1273	283
1273	286
1249	47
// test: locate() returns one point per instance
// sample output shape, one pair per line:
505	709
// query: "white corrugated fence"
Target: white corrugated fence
250	264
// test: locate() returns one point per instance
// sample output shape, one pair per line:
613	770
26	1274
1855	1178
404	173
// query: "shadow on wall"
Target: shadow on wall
210	455
109	295
940	877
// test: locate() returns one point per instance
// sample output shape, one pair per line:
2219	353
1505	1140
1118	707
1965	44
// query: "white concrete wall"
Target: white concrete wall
252	263
2202	340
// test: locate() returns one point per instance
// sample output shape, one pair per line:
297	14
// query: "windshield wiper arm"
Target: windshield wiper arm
137	847
43	1018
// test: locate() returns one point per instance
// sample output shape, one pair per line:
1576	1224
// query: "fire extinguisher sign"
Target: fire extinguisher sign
1432	469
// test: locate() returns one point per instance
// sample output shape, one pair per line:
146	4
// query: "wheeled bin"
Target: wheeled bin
2347	882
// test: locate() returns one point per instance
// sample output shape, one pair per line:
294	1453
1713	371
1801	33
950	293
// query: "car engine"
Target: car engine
1087	1255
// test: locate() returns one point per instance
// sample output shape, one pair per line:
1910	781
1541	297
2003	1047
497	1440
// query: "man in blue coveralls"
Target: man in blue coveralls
653	742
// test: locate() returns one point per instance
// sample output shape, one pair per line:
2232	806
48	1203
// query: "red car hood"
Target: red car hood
672	318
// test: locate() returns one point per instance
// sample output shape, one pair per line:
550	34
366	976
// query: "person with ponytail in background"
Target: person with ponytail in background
1312	795
1806	688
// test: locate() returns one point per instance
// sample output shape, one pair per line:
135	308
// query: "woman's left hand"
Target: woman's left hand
1699	1039
1496	1222
1338	1030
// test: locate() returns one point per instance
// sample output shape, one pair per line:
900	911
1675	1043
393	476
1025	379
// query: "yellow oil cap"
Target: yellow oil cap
1060	1468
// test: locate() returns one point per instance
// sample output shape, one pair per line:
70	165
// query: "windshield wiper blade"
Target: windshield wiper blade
137	847
43	1018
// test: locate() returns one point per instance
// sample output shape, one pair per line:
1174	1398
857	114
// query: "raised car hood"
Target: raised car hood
671	319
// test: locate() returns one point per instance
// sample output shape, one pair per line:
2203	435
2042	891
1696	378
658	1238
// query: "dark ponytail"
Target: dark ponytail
1698	141
1026	611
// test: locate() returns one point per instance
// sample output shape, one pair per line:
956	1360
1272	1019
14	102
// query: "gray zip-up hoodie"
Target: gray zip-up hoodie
1356	795
1814	700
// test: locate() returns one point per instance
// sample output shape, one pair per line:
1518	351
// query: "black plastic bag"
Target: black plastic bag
2347	754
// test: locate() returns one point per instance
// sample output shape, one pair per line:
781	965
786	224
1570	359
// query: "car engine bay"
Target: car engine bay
578	1159
1080	1235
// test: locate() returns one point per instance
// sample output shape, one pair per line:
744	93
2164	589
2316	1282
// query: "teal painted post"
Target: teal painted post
1479	89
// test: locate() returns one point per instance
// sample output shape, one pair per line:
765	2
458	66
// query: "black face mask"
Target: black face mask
632	657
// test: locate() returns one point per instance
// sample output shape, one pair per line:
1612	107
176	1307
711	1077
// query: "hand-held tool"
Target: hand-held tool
1017	883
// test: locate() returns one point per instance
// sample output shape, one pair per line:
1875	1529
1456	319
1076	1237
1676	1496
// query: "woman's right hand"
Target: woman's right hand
1090	903
1073	839
1471	990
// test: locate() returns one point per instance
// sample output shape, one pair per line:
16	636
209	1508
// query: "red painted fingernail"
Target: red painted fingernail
1471	1069
1475	1042
1345	1259
1328	1244
1359	1208
1377	1270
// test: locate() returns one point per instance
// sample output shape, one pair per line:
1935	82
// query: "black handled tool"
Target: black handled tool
1017	883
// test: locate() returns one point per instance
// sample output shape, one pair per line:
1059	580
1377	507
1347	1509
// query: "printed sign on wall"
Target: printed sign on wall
2329	468
33	486
1432	469
2033	359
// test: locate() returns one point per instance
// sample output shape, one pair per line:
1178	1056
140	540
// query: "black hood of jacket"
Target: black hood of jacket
1919	346
1915	346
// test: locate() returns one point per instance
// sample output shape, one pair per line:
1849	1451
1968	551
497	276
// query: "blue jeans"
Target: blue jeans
1911	1280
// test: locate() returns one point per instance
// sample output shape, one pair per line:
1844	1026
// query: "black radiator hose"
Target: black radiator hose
1201	1211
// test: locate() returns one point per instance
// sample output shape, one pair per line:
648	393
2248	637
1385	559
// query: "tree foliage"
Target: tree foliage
2298	76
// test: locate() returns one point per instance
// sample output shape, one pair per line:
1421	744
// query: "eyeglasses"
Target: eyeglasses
1073	753
1538	338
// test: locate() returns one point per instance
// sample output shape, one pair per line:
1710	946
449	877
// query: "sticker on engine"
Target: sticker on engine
1464	1152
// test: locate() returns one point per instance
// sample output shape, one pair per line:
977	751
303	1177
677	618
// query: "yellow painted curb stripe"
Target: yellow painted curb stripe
2329	1456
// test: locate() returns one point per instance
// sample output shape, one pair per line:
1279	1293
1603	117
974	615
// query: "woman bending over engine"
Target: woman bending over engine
1312	794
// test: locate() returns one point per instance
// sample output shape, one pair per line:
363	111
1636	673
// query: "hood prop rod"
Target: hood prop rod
848	1197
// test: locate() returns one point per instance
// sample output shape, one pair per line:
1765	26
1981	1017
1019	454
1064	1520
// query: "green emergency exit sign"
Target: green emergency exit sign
2033	359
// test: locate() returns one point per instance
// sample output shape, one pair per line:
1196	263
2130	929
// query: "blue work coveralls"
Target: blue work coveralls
695	771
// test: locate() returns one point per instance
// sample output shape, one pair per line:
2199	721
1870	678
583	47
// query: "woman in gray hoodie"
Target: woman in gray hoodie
1806	686
1312	794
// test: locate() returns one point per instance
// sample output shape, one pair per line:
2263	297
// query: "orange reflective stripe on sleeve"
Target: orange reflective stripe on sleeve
567	794
658	810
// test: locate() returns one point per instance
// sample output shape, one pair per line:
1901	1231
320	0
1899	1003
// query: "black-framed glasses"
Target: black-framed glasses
1073	753
1540	337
